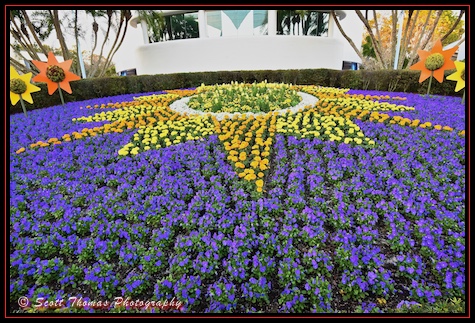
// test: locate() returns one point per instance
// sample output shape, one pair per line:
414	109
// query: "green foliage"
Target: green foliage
350	80
368	48
383	80
452	305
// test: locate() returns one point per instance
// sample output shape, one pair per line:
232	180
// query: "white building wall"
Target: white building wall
125	57
239	53
243	52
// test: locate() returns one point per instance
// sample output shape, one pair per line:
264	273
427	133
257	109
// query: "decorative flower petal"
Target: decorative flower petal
30	88
53	86
457	76
439	73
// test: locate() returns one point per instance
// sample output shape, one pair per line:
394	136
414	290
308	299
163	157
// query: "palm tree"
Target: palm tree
155	24
116	19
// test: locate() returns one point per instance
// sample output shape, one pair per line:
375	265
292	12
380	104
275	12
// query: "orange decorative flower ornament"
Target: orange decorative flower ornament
434	62
55	75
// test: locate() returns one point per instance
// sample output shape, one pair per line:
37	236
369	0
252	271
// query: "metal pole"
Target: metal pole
81	61
399	34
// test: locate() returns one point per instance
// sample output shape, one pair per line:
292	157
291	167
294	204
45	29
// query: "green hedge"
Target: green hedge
385	80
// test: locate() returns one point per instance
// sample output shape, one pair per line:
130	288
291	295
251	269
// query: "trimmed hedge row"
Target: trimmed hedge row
384	80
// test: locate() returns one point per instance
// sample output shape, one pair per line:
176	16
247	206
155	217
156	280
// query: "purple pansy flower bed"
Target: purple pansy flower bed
340	228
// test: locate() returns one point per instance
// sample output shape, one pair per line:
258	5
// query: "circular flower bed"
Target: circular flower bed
353	204
244	97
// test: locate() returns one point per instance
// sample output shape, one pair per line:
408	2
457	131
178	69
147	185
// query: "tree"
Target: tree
155	24
122	21
302	22
28	37
421	28
30	29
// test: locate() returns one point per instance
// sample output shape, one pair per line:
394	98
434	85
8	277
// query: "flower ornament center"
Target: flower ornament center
462	74
17	86
55	73
434	61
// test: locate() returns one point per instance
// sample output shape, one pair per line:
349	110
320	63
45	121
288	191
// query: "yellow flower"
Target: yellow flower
250	177
240	165
260	183
19	151
25	88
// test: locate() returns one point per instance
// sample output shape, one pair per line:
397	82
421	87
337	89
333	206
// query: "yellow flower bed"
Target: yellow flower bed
244	97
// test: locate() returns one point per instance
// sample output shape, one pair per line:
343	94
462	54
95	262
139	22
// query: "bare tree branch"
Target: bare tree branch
376	45
19	67
350	41
431	32
462	12
421	36
127	15
404	40
32	30
109	26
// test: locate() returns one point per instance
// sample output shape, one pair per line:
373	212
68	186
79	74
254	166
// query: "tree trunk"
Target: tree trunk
57	26
414	53
32	30
109	26
23	41
403	51
124	20
431	32
376	45
350	41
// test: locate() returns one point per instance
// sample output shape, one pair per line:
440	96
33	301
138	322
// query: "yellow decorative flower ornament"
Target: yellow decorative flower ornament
458	76
21	88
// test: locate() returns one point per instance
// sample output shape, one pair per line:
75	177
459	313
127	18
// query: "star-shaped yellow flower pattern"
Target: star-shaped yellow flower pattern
247	140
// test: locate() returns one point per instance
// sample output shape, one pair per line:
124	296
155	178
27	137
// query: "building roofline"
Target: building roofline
135	20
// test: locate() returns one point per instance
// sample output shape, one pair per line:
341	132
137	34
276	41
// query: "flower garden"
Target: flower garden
355	203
